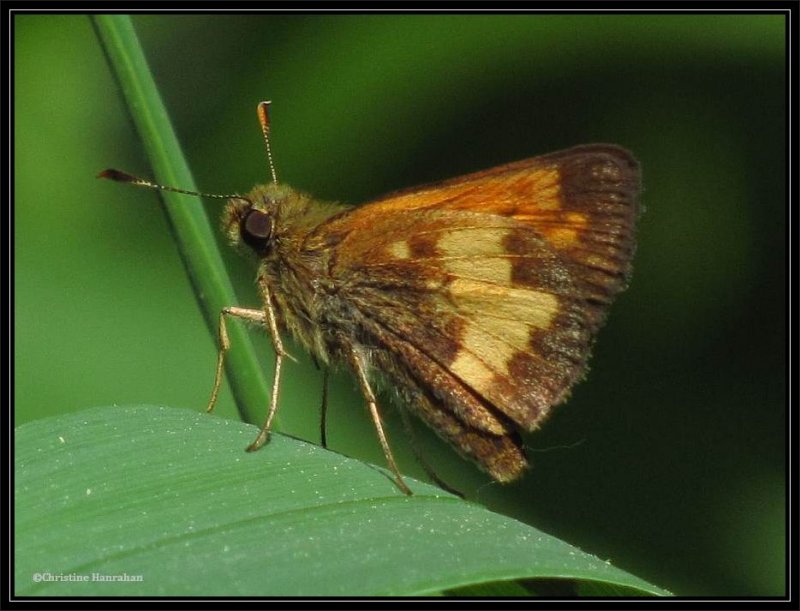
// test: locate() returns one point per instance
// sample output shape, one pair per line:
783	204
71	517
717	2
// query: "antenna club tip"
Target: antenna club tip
263	114
117	175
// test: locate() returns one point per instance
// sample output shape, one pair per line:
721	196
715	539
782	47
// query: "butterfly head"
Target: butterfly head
252	220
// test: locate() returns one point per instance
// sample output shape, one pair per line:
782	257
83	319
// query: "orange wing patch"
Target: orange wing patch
583	201
497	189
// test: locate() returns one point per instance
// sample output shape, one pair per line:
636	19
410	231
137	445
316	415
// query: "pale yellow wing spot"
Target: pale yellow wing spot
400	250
577	218
495	270
567	233
533	308
561	237
469	367
474	240
501	320
486	351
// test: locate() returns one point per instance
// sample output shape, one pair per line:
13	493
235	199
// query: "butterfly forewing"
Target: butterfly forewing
489	287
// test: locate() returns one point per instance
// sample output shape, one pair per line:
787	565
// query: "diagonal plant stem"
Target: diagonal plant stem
188	220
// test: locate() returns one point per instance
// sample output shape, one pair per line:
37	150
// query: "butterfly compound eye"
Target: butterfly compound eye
256	230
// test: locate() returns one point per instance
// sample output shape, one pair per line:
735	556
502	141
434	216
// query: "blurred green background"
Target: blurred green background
668	460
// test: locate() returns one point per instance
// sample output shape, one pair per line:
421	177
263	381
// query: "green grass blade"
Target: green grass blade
190	224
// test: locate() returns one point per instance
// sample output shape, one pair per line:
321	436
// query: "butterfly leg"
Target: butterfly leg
225	343
323	411
280	353
323	414
357	361
421	459
263	317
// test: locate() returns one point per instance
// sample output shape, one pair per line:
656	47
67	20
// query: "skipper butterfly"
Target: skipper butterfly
478	298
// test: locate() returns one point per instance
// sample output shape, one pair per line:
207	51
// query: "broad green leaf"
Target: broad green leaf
169	497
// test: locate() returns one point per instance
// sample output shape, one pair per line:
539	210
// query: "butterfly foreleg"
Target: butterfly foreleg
280	354
257	316
264	317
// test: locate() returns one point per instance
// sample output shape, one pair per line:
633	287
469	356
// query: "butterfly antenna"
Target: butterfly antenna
118	176
263	117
